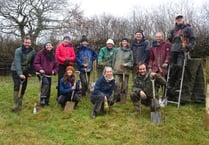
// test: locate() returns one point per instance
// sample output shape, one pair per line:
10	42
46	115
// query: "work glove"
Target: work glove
188	47
67	62
152	75
101	64
164	65
142	95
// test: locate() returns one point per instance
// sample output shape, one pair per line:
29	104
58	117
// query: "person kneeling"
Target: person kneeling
69	87
102	91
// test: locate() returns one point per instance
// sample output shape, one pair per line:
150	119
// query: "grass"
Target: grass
51	126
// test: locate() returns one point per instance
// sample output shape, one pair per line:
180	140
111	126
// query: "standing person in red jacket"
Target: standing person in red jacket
159	55
45	64
65	55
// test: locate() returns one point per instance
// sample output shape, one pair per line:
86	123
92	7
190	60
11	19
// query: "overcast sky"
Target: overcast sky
118	7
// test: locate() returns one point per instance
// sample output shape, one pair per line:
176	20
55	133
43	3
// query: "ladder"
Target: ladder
179	91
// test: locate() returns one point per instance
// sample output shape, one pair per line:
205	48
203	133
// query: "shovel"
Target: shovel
20	88
123	88
70	104
156	117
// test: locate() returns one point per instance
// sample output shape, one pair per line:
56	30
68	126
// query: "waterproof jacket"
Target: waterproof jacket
181	34
122	56
159	55
65	88
41	63
140	51
65	52
106	56
104	87
143	83
85	55
23	60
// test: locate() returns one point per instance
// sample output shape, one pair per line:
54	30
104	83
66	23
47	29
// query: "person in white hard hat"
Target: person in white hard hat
105	56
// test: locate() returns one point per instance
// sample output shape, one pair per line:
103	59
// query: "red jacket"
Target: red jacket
65	52
159	55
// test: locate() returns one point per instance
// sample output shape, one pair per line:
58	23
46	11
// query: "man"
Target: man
21	69
84	58
140	48
159	55
142	87
105	56
65	55
183	41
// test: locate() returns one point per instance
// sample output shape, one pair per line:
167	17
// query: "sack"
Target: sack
61	99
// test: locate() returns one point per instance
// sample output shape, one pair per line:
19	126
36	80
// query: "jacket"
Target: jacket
122	56
181	35
65	52
85	55
140	51
65	88
23	60
143	83
104	87
158	56
106	56
41	62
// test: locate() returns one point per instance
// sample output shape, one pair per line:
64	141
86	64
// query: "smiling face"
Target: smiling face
48	47
66	42
124	43
138	36
108	72
159	37
27	43
180	20
142	69
69	72
109	45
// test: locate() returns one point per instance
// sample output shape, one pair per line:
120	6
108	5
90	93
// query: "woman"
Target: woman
122	63
102	91
45	65
67	86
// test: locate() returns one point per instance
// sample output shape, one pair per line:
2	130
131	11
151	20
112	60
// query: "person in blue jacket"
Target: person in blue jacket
102	91
84	58
67	86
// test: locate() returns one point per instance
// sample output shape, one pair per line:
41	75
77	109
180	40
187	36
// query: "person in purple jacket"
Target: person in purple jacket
45	65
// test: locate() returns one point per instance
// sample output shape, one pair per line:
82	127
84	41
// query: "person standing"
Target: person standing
182	41
102	91
140	48
105	56
46	65
21	68
159	55
142	87
65	55
122	63
84	58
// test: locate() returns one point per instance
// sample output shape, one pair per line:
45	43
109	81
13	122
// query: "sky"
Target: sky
120	8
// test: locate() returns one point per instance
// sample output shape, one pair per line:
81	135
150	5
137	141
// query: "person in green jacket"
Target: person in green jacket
122	64
105	56
21	68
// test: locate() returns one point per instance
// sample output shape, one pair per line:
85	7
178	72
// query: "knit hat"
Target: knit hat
140	31
179	16
110	41
46	42
70	68
126	39
66	37
84	38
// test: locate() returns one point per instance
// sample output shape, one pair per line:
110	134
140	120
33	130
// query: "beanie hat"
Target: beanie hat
70	68
126	39
66	37
110	41
84	38
45	43
139	31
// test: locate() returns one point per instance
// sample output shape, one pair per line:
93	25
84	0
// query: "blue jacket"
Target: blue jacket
85	55
103	87
65	88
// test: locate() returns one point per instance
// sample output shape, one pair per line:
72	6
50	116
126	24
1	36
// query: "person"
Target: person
182	41
122	63
142	88
159	55
140	48
105	56
45	64
22	67
102	91
84	58
65	55
68	84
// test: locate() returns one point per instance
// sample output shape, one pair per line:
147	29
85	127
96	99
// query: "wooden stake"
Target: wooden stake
206	116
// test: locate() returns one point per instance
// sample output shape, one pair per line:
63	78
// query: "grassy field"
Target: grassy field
51	126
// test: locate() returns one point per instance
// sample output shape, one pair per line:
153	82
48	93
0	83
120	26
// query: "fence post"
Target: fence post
206	116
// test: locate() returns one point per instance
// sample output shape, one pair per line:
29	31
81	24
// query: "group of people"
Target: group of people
146	61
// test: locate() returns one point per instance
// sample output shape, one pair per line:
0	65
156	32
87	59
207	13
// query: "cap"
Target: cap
179	16
110	41
66	37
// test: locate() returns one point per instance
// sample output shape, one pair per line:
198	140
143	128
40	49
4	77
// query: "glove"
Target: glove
67	62
142	95
101	64
152	74
73	88
188	48
164	65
